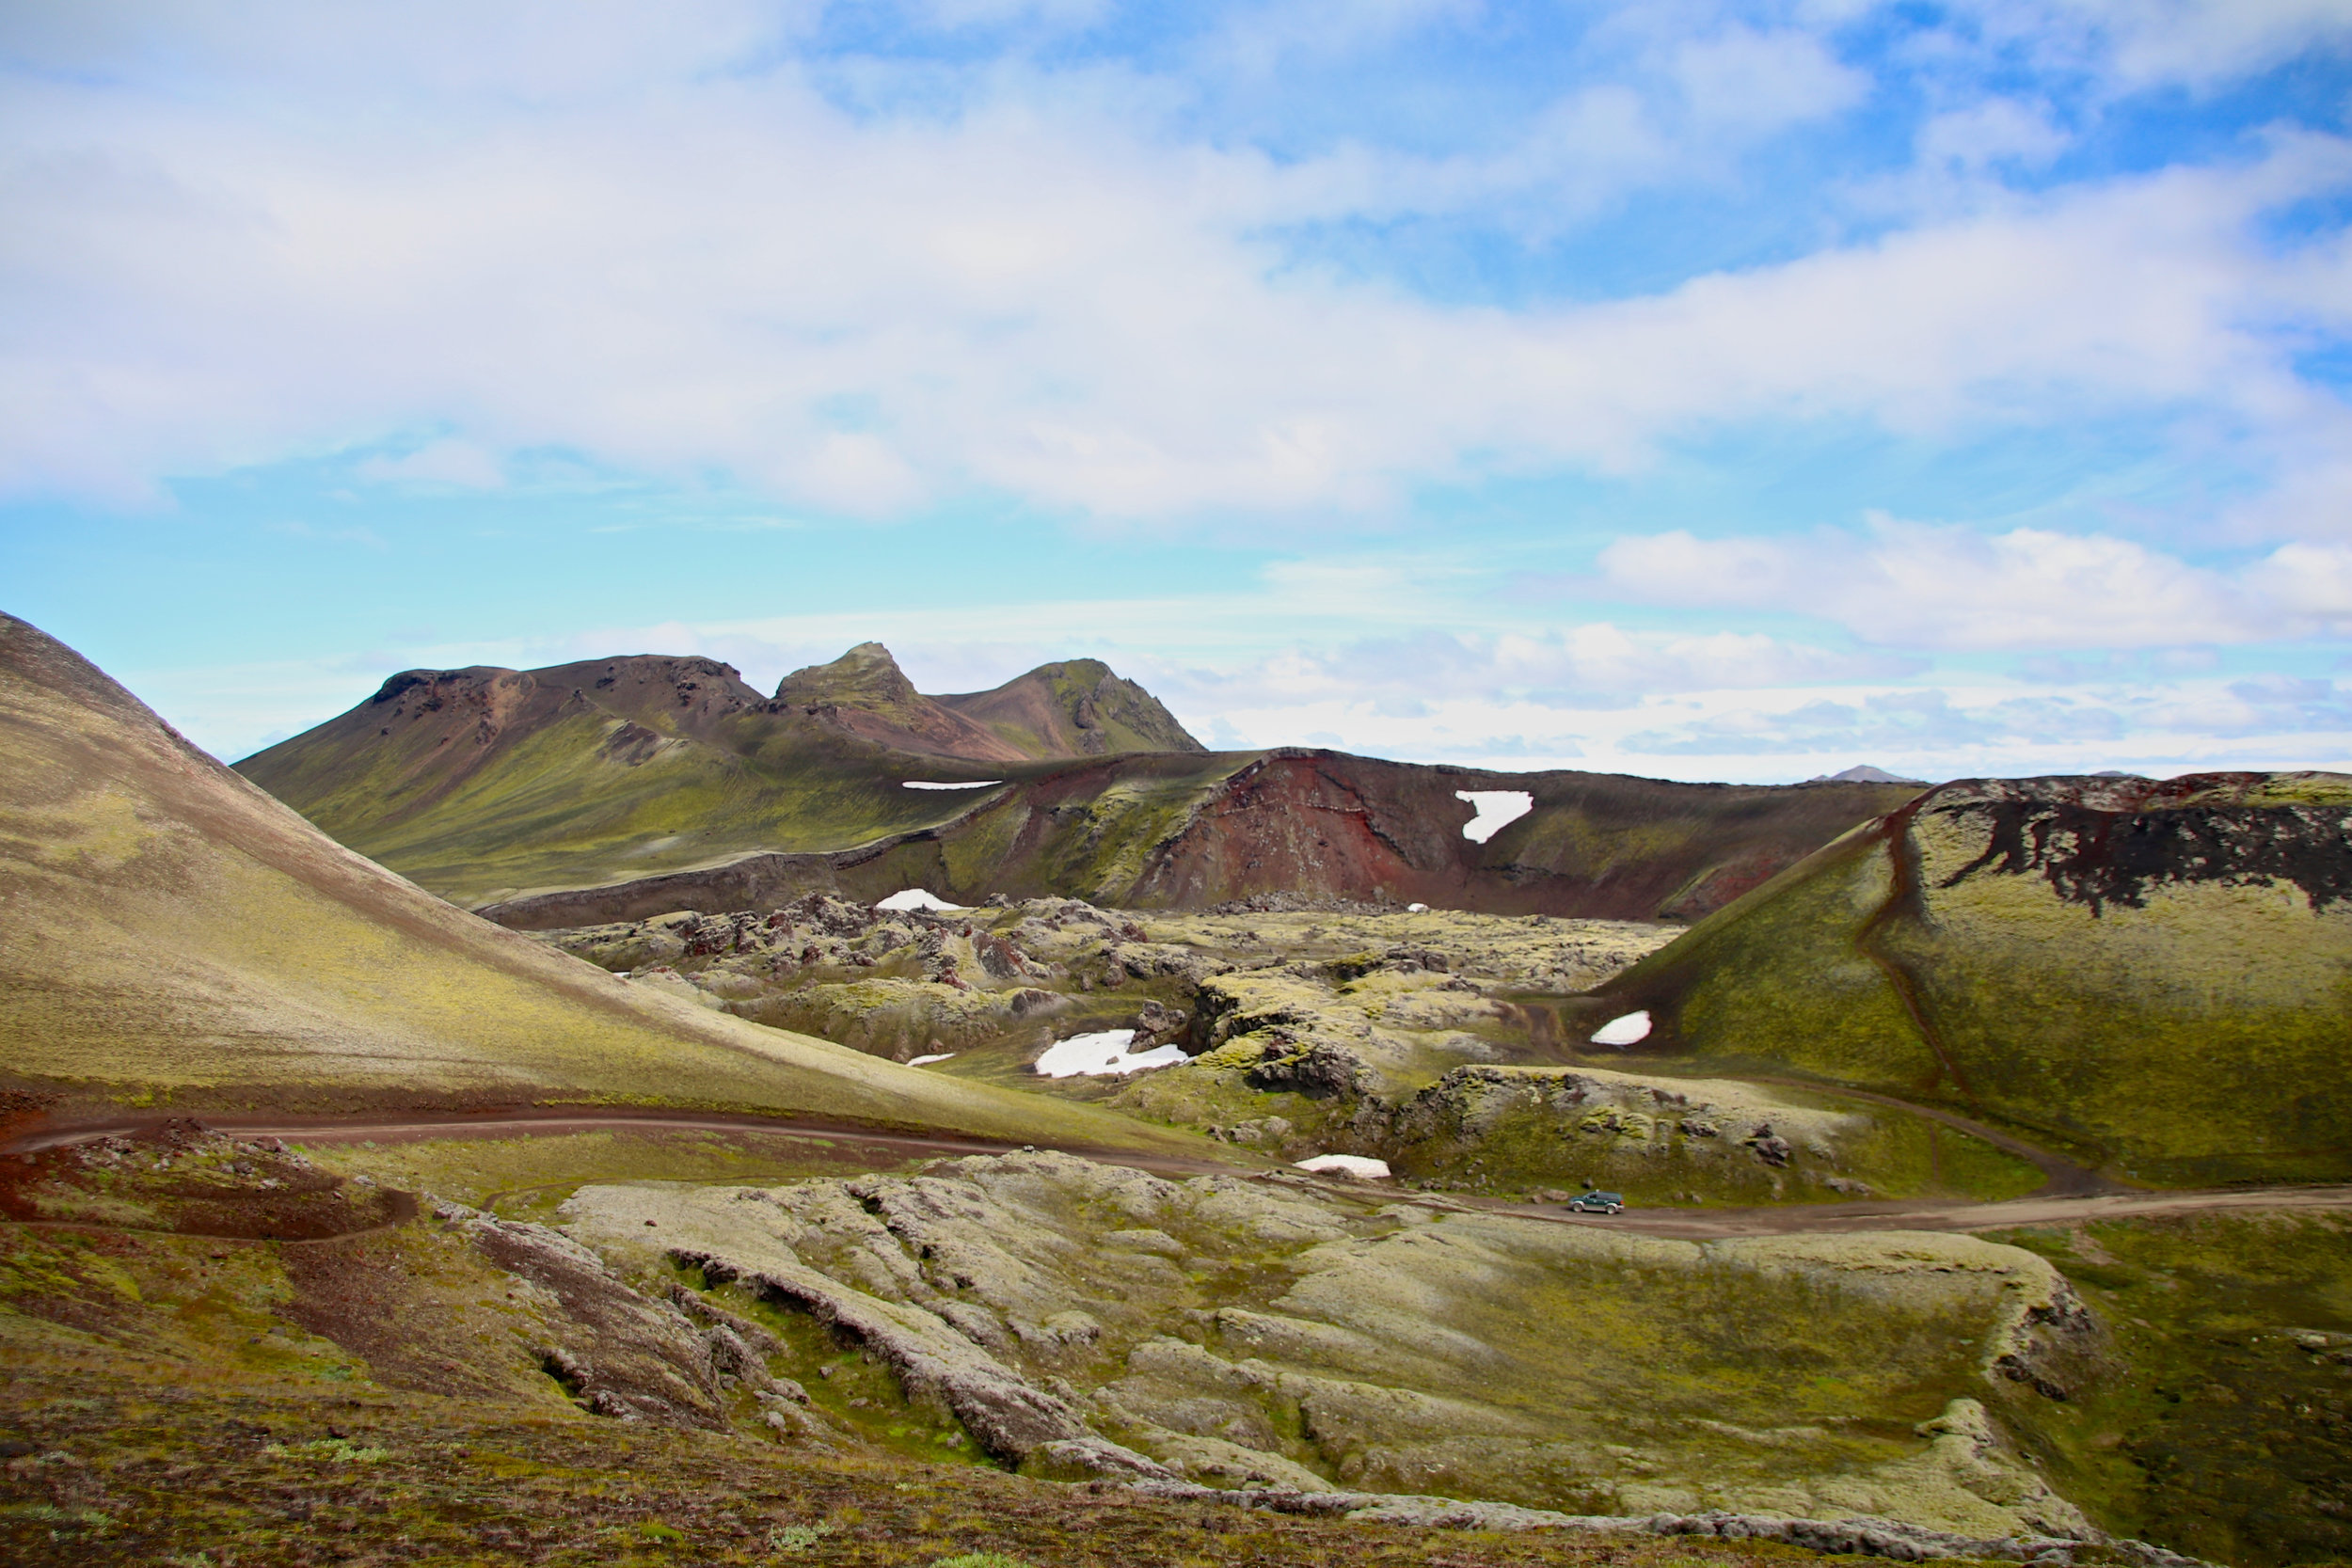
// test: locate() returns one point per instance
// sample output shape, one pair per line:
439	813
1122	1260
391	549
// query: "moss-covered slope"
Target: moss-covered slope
2161	974
1172	831
1251	1334
173	936
1080	707
481	783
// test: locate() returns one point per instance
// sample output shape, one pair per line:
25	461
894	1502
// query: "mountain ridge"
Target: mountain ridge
1161	831
178	937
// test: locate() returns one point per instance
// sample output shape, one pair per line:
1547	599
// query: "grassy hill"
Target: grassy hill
662	784
2159	974
1077	708
1188	831
174	937
483	782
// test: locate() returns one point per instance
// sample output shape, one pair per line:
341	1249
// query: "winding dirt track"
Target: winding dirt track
2073	1195
393	1126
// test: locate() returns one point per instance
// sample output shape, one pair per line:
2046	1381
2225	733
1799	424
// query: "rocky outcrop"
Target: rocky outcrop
1015	1421
865	695
1251	1333
1077	708
615	1351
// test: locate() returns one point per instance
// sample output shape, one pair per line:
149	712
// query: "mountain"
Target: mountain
176	938
1076	709
2157	974
1181	831
1864	773
482	780
865	693
668	782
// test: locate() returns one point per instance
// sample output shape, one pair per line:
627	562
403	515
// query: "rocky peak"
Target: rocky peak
866	676
437	682
1864	773
1077	707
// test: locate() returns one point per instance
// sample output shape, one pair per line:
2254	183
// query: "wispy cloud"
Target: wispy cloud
1916	585
1038	295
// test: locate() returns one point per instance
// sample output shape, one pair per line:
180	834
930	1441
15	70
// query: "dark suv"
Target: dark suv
1598	1203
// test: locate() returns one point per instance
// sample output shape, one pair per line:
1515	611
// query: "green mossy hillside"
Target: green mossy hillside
2232	1436
177	939
1227	1328
2162	984
620	788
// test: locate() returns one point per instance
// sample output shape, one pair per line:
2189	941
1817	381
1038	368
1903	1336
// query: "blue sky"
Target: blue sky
1708	391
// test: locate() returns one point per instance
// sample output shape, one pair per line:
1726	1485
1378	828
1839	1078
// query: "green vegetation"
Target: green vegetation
612	782
2227	1431
2180	1020
1667	1141
483	784
1229	1328
179	1399
571	801
178	941
529	1177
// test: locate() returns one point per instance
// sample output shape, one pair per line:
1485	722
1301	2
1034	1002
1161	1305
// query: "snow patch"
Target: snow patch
914	898
1623	1030
922	1061
1497	810
1094	1055
1356	1166
928	784
1416	909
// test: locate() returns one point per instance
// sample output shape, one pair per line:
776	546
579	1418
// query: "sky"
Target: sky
1697	389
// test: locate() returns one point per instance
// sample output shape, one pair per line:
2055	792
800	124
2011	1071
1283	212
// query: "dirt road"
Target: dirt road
2074	1208
539	1120
2074	1195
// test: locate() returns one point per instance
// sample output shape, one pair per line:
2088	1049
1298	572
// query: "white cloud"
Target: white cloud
1998	130
688	269
1916	585
445	462
2143	42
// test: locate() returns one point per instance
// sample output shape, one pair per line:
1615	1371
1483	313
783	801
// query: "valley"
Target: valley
780	1163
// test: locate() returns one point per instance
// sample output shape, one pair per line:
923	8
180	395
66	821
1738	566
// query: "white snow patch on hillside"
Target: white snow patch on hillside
925	1061
1094	1055
914	898
1624	1030
929	784
1356	1166
1497	810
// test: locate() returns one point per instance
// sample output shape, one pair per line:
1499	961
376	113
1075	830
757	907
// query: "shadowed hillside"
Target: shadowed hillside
1187	831
2161	973
175	937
